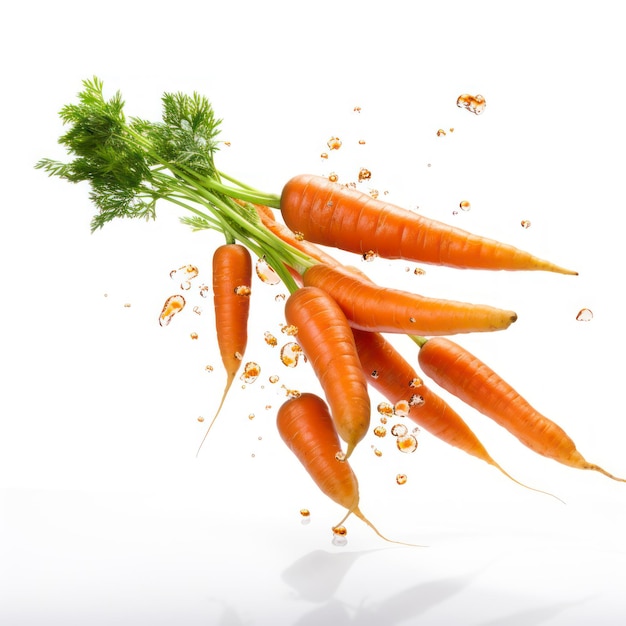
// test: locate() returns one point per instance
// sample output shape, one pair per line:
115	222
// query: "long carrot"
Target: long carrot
394	377
464	375
330	214
326	340
371	307
305	425
232	276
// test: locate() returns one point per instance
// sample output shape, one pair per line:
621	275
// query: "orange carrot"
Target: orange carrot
465	376
371	307
330	214
394	377
232	276
326	340
305	425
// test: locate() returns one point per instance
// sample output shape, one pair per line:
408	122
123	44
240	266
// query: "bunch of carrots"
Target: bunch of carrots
339	313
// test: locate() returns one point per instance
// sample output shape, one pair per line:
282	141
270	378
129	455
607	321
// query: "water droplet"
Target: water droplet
266	273
251	416
584	315
289	329
357	109
525	223
401	408
305	516
380	431
441	133
273	379
384	408
361	142
399	430
208	368
374	193
200	418
185	274
334	143
197	310
407	444
291	353
476	104
418	271
364	174
377	452
465	205
333	177
340	536
401	479
374	374
204	291
417	400
324	155
193	335
127	305
369	256
173	305
291	393
280	297
416	382
270	340
251	372
243	290
340	456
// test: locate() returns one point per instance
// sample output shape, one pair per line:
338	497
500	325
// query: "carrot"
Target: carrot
371	307
232	276
327	342
465	376
330	214
394	377
305	425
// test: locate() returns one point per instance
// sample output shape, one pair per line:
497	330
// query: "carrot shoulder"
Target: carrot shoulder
331	214
464	375
372	307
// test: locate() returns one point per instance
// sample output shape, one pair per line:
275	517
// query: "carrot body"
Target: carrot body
330	214
465	376
326	340
371	307
394	377
232	276
305	425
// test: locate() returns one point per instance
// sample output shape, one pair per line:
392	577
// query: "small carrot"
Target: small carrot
371	307
461	373
305	425
394	377
331	214
232	276
326	340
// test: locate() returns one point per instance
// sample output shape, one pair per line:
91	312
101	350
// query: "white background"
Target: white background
107	516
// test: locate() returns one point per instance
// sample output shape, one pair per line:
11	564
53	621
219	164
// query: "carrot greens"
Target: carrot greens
131	163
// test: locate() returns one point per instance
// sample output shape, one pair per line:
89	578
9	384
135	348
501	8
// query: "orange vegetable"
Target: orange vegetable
394	377
232	276
371	307
465	376
326	340
305	425
330	214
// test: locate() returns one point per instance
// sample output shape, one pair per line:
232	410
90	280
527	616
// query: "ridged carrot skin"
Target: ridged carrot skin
326	339
381	309
305	425
331	214
462	374
232	276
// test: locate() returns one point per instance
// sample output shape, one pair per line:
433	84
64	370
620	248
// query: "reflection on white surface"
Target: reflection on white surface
107	517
